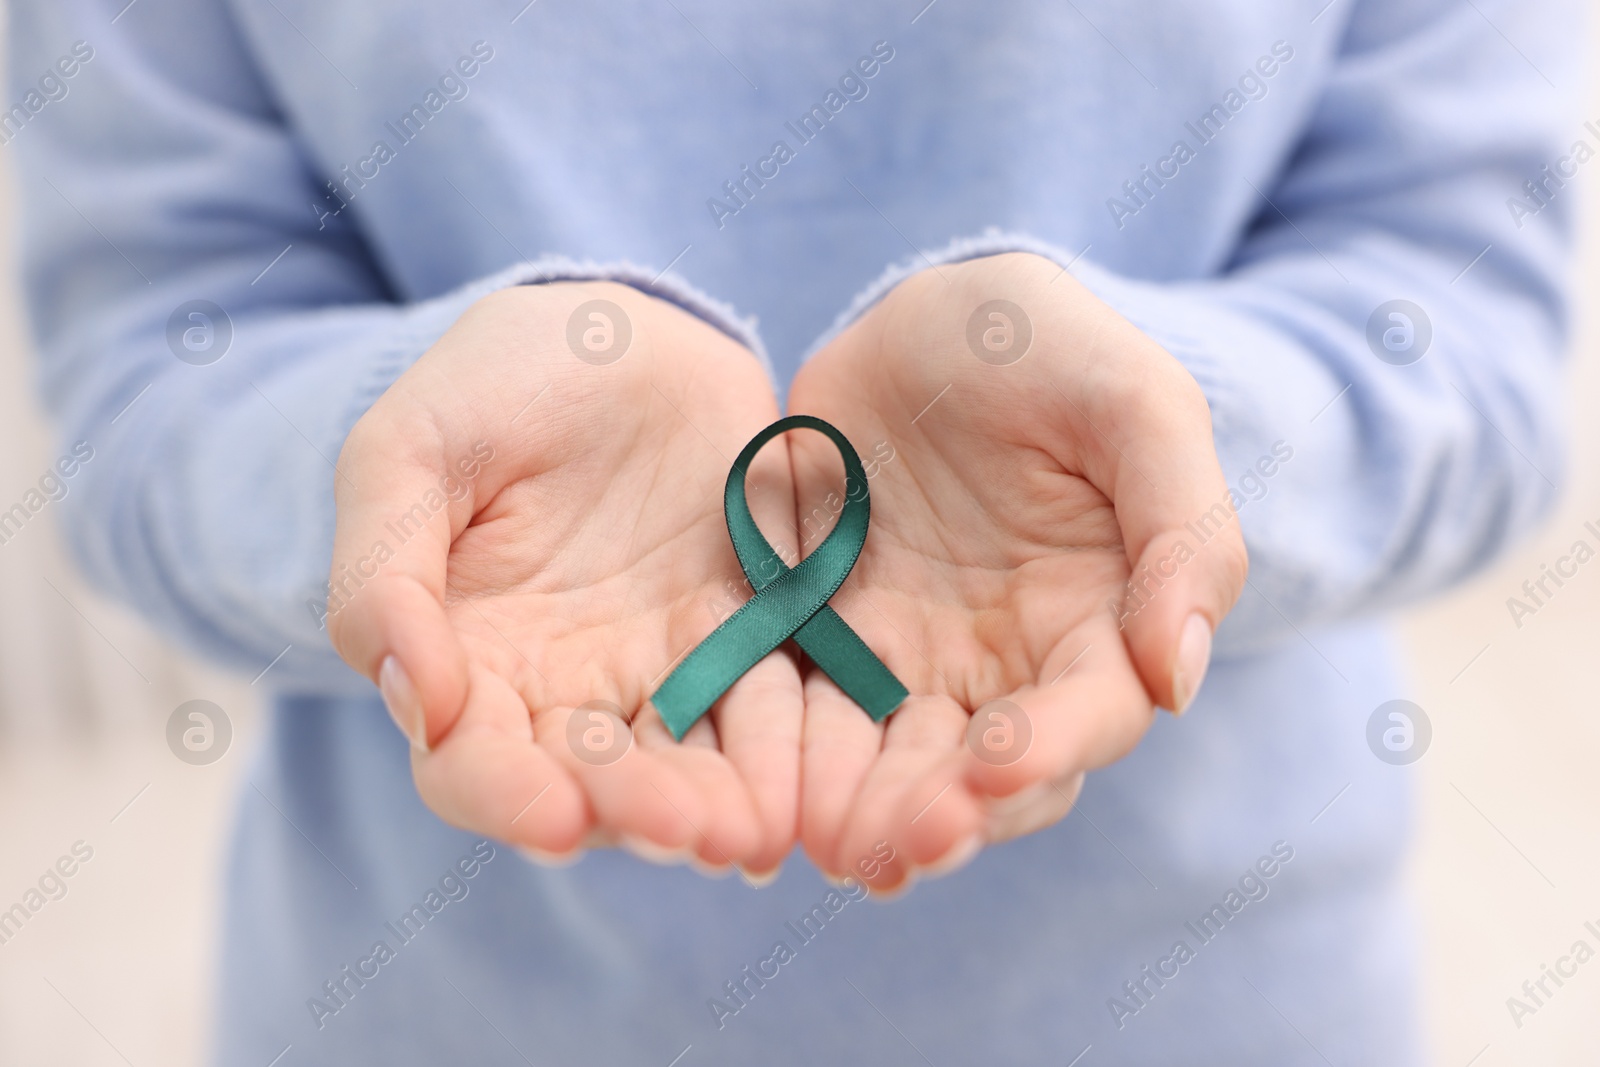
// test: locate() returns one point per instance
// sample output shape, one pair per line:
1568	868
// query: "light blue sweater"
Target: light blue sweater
1249	182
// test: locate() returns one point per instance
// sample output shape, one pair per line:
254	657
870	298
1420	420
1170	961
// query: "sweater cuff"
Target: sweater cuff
663	285
1161	311
427	321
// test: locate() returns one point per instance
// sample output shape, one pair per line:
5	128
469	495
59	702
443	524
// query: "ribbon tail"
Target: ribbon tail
840	653
766	621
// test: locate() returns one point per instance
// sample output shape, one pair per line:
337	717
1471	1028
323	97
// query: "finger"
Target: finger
948	821
889	809
759	724
1150	437
1180	589
489	777
1033	809
726	828
1092	715
942	818
387	581
939	846
643	801
840	744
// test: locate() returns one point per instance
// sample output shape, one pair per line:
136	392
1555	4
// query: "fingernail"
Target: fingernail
887	896
651	852
400	697
542	858
1194	656
957	858
762	879
699	865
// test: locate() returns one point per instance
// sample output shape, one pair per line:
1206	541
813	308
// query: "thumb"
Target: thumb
1184	580
1151	450
386	614
1185	550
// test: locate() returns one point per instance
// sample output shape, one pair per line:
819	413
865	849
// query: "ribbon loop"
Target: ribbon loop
788	601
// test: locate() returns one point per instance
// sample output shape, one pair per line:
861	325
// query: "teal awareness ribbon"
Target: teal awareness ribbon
788	602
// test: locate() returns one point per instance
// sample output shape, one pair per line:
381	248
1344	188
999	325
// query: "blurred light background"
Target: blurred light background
118	970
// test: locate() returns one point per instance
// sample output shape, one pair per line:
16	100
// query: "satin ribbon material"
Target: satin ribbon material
788	602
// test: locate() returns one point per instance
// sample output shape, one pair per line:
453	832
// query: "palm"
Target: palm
586	583
986	575
594	556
